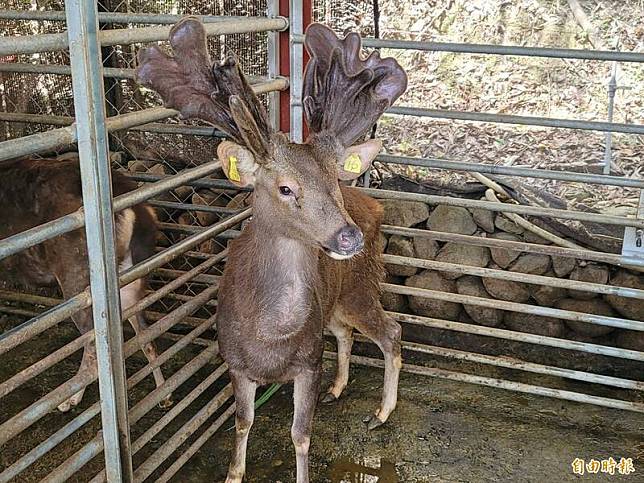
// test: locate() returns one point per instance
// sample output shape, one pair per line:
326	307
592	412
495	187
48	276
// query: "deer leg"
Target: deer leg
386	333
305	391
344	336
244	390
131	294
84	323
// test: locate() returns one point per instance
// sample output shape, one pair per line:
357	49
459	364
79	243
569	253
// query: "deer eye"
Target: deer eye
285	191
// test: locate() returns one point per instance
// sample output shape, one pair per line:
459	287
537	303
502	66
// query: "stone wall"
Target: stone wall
483	223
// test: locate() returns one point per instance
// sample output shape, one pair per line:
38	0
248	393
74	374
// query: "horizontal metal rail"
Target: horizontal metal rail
515	276
34	236
507	244
218	184
463	48
516	364
31	44
603	350
522	120
501	383
108	17
516	307
46	141
513	171
505	207
172	205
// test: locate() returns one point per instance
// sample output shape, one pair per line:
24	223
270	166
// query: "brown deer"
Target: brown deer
310	257
33	192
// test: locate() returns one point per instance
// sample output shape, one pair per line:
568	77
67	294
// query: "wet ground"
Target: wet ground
441	431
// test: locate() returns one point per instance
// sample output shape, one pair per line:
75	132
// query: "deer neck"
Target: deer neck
286	274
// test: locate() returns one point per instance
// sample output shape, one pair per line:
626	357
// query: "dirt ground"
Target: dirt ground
441	431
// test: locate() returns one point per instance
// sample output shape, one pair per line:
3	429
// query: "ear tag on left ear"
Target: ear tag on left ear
353	164
232	169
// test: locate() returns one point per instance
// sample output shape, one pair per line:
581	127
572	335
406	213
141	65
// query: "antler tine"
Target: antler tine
217	94
344	94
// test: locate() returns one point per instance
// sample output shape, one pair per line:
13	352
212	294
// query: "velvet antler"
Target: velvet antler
218	94
344	94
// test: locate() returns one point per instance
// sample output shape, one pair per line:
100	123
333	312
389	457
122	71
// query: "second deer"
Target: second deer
310	257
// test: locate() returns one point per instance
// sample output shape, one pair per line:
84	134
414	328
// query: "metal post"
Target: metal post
612	88
89	104
273	52
297	70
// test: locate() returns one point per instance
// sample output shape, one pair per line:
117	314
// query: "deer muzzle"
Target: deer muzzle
346	243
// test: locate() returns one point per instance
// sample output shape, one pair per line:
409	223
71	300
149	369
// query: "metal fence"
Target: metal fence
199	211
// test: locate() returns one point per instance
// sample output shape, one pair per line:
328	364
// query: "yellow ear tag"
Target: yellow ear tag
353	164
233	174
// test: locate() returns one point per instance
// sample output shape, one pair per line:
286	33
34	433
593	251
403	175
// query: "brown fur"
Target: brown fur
33	192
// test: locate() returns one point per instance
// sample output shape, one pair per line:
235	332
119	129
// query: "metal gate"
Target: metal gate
184	269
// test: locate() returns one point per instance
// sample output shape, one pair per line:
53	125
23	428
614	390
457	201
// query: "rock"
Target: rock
425	248
504	223
630	339
563	265
546	295
483	218
506	289
393	302
535	324
382	242
158	169
206	198
401	246
502	256
470	285
451	219
183	192
532	263
531	237
594	306
139	166
628	307
439	309
240	201
404	213
590	272
461	254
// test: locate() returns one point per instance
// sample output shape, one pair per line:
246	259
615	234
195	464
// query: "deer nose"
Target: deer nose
350	239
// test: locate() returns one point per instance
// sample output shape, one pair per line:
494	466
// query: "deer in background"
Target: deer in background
310	257
35	191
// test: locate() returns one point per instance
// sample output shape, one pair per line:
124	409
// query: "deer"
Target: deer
35	191
309	258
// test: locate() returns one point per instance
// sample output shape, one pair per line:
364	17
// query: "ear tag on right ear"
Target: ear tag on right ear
353	164
232	169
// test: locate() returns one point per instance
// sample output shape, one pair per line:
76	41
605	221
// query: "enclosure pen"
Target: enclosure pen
93	102
114	442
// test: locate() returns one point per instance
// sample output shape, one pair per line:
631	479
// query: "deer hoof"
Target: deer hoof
372	422
329	398
166	402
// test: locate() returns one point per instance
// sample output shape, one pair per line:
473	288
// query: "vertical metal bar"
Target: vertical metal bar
612	88
273	49
297	69
89	105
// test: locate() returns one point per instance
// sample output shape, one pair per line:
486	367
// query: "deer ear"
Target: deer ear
238	163
356	159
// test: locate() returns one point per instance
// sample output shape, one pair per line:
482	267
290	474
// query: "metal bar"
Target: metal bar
519	336
31	44
92	449
195	207
196	445
513	171
169	446
297	70
523	120
502	384
510	245
96	180
220	184
505	207
516	276
466	48
516	364
50	443
21	67
64	224
516	307
108	17
273	55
